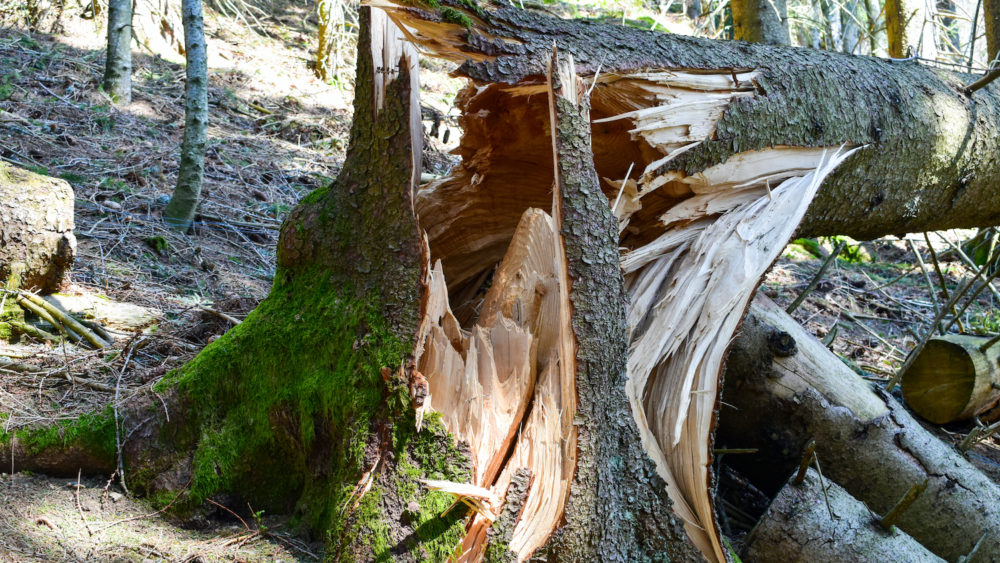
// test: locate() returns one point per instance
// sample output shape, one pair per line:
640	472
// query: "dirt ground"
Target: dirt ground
276	133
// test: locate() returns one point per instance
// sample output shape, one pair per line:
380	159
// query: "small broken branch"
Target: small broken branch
982	82
889	520
815	281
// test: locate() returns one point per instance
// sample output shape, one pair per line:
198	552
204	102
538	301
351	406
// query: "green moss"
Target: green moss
455	16
284	408
94	433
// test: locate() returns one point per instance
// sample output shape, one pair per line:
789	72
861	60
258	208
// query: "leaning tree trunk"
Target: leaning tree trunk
118	66
506	324
760	21
181	209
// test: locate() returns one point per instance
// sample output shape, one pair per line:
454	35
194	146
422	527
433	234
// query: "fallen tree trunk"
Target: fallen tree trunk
819	522
955	377
783	388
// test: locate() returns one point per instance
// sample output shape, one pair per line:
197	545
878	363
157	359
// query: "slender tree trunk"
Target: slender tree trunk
876	34
991	15
324	11
118	67
760	21
910	28
187	194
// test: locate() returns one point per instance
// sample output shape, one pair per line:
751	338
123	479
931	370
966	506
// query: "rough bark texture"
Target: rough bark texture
927	160
181	209
799	526
118	66
953	378
783	395
760	21
991	17
304	406
36	227
618	508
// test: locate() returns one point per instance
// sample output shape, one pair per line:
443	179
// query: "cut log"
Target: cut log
783	388
953	378
36	227
818	521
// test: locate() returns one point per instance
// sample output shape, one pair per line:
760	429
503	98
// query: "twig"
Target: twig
80	508
986	346
978	434
968	261
150	515
220	314
911	495
244	522
807	457
941	279
927	278
815	281
982	82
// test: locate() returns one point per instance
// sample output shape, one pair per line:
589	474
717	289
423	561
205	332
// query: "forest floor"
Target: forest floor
276	133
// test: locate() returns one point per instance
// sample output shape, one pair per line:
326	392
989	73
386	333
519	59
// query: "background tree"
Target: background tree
118	68
760	21
181	209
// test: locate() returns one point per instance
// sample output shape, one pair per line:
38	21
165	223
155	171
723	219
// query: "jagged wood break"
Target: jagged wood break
697	244
591	393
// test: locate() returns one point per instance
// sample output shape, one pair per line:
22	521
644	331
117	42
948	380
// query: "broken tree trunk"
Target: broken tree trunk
819	522
730	144
36	228
710	153
785	388
955	377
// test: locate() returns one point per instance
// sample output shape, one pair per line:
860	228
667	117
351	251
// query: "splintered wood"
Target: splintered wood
695	246
504	386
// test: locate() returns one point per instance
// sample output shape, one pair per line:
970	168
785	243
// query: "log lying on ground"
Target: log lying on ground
953	378
783	388
36	227
819	522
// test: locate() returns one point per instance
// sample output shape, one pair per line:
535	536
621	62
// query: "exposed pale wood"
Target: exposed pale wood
483	380
953	378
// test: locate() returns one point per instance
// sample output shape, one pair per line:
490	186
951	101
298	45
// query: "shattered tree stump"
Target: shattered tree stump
36	228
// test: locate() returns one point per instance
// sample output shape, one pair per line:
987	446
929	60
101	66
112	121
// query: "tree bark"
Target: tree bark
760	21
786	388
730	143
118	66
181	209
820	522
910	32
991	18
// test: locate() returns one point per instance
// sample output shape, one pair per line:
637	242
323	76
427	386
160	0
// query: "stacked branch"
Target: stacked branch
785	389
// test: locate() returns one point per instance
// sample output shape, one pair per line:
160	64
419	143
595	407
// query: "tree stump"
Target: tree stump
36	227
